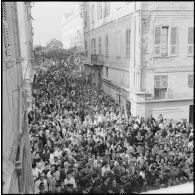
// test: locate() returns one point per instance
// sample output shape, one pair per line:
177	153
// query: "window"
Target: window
160	86
106	46
106	72
99	10
86	47
157	40
190	41
191	80
93	46
118	44
85	19
106	8
6	35
92	14
173	41
128	40
164	44
161	43
4	11
99	41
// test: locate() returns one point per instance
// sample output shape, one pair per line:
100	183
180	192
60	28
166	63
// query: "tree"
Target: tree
59	56
54	44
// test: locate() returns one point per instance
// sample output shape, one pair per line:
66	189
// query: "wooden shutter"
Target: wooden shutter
118	43
128	34
94	46
190	41
173	48
157	81
157	41
190	80
4	10
99	45
106	44
164	81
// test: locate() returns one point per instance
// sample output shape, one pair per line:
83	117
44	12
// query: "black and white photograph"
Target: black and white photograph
97	97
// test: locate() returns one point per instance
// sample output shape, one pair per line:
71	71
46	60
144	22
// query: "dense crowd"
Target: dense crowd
82	142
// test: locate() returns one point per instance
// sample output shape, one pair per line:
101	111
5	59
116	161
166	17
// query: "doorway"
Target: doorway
191	114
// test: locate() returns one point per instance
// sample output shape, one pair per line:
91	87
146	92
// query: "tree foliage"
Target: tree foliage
54	44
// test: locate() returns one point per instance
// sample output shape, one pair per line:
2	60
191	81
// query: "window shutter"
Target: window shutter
157	81
157	41
106	43
7	43
190	41
173	41
99	45
128	34
94	46
164	81
190	81
4	10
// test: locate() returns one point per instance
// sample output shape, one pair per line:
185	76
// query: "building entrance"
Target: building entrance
191	114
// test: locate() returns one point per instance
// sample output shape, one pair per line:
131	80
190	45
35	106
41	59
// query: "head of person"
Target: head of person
41	187
42	176
58	189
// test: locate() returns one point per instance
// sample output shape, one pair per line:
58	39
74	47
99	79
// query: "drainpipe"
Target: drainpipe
139	68
134	39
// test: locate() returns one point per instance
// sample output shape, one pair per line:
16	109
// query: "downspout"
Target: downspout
134	43
140	65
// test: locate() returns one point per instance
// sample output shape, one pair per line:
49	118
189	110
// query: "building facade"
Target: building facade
72	28
26	44
17	166
141	53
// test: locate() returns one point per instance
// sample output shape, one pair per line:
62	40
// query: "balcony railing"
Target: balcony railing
170	95
97	59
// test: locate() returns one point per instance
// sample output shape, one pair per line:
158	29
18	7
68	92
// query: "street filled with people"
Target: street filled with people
83	142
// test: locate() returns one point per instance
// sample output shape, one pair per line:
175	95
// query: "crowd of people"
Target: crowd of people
82	142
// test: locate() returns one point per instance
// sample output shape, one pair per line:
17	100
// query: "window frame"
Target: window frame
190	44
191	82
92	13
176	40
106	45
128	43
162	81
100	46
169	42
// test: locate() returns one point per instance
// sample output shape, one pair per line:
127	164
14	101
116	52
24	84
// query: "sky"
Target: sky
47	20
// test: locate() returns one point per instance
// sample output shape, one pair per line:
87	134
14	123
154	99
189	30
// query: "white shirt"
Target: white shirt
36	172
104	170
57	153
51	159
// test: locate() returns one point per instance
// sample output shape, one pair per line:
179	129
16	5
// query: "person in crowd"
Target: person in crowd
83	142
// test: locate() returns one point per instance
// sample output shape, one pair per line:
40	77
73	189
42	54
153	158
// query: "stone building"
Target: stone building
72	28
16	154
141	53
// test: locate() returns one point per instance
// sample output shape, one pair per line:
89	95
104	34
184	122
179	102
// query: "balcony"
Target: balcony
169	95
97	59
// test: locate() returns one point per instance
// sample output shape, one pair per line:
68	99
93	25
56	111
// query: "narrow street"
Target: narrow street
98	97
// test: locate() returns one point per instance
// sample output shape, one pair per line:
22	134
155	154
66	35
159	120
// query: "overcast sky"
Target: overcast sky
47	20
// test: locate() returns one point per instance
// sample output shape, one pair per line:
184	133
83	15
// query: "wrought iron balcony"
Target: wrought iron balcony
97	59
